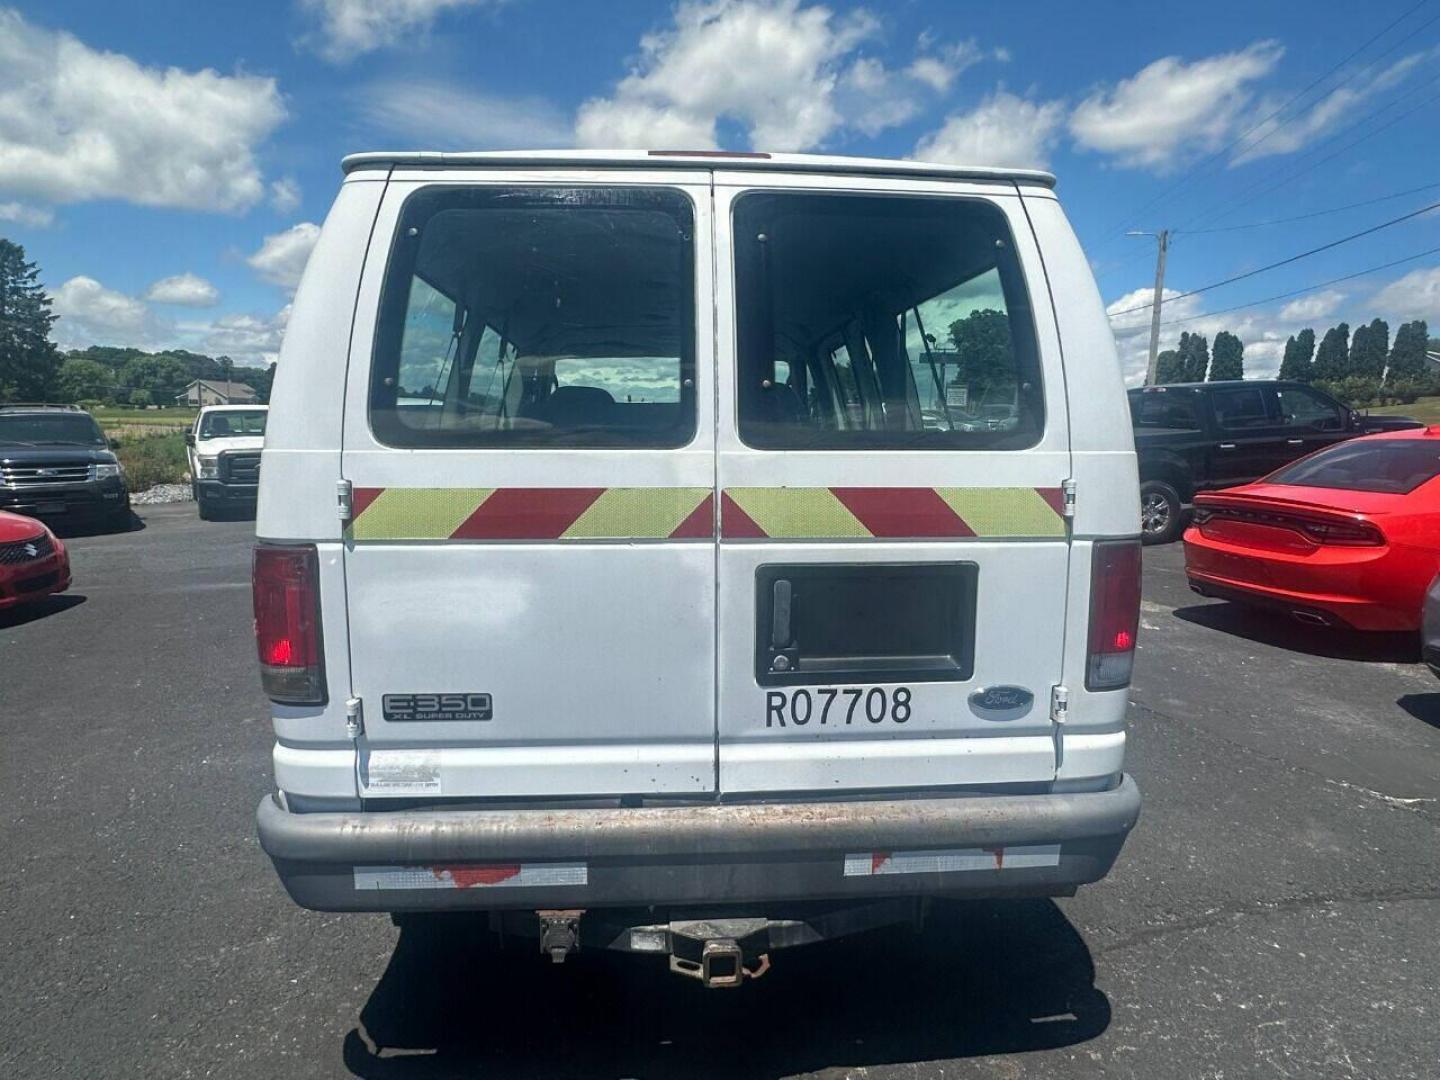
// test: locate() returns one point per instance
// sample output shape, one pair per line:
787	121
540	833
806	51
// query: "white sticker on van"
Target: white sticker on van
876	863
403	772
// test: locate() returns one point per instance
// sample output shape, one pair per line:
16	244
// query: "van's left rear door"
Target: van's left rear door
529	438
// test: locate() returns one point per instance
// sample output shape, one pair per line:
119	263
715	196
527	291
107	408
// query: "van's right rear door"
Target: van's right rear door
893	443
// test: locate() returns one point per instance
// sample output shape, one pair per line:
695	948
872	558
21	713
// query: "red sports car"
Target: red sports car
1349	536
33	562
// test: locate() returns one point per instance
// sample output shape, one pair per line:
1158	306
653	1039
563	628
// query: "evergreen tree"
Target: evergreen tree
29	361
1298	351
1229	360
1195	353
1368	349
1332	359
1169	368
1407	357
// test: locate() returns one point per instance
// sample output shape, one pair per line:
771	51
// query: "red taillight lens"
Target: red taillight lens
1114	614
286	582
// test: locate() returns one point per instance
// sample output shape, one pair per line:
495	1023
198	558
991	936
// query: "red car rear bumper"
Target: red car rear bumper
27	582
1364	588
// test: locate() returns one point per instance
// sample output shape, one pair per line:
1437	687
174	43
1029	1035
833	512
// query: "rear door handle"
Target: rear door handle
780	614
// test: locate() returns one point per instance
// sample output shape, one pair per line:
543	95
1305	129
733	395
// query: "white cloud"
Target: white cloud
1315	306
447	117
1002	130
22	214
78	124
91	314
351	28
249	340
282	256
772	66
938	68
284	194
1171	110
186	290
1284	132
1414	296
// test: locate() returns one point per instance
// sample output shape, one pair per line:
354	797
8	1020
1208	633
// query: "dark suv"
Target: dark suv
57	465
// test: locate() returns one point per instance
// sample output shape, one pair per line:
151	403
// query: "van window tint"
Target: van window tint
537	317
882	322
1170	409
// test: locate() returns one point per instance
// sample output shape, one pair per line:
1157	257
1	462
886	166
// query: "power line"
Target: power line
1194	173
1284	262
1307	217
1307	289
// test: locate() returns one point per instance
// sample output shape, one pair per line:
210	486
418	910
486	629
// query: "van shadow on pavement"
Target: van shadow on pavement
1282	632
984	977
35	610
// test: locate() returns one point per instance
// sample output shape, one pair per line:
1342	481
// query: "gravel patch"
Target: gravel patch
162	493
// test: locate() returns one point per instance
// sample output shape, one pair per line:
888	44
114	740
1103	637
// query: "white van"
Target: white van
695	553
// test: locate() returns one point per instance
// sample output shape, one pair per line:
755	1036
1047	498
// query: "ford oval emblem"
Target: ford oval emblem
1001	702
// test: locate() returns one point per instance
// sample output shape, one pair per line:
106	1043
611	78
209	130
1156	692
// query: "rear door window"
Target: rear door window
537	317
882	322
1173	410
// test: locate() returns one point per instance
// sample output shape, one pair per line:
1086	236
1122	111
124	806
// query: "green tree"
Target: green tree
1169	368
983	349
141	398
1407	356
1368	349
1332	359
1195	353
1229	360
161	374
84	380
1299	350
29	361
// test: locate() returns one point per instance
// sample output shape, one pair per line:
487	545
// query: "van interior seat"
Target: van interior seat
577	406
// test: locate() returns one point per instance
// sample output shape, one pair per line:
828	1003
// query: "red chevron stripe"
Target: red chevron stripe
735	524
1055	497
699	524
360	498
902	512
527	514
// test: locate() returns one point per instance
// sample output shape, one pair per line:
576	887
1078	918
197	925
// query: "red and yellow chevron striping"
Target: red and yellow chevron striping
688	513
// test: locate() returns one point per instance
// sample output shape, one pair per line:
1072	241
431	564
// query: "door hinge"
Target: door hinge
354	718
344	499
1059	703
1067	498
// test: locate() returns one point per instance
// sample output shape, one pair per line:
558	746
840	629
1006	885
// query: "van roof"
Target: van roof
689	159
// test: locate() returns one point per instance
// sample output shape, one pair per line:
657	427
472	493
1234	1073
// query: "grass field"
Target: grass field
110	416
1425	408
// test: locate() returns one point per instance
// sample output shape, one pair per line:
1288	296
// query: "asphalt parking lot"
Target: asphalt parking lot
1275	913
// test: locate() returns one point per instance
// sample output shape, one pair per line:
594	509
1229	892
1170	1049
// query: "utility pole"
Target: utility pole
1163	245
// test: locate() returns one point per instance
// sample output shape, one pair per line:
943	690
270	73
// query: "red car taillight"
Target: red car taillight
286	583
1114	614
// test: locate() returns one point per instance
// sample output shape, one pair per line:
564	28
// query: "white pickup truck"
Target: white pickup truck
224	450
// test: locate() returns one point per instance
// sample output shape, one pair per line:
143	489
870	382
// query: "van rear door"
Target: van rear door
529	443
893	444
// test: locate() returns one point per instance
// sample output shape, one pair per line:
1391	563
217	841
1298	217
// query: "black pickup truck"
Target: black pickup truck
1192	437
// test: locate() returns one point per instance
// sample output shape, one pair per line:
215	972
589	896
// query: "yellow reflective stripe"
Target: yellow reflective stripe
622	513
1015	511
417	513
798	512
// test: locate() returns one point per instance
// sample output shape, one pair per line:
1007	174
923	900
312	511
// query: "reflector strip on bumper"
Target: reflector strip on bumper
877	863
370	878
781	513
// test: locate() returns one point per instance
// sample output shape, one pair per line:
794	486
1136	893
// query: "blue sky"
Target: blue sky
166	163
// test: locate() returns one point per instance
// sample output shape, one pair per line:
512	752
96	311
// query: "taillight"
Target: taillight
286	583
1114	614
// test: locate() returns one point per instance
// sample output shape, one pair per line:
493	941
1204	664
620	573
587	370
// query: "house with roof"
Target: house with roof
202	392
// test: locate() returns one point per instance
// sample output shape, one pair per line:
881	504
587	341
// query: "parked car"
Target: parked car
1349	536
57	465
33	562
224	451
652	614
1193	437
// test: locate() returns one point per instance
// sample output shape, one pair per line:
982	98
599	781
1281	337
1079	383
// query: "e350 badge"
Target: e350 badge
425	708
